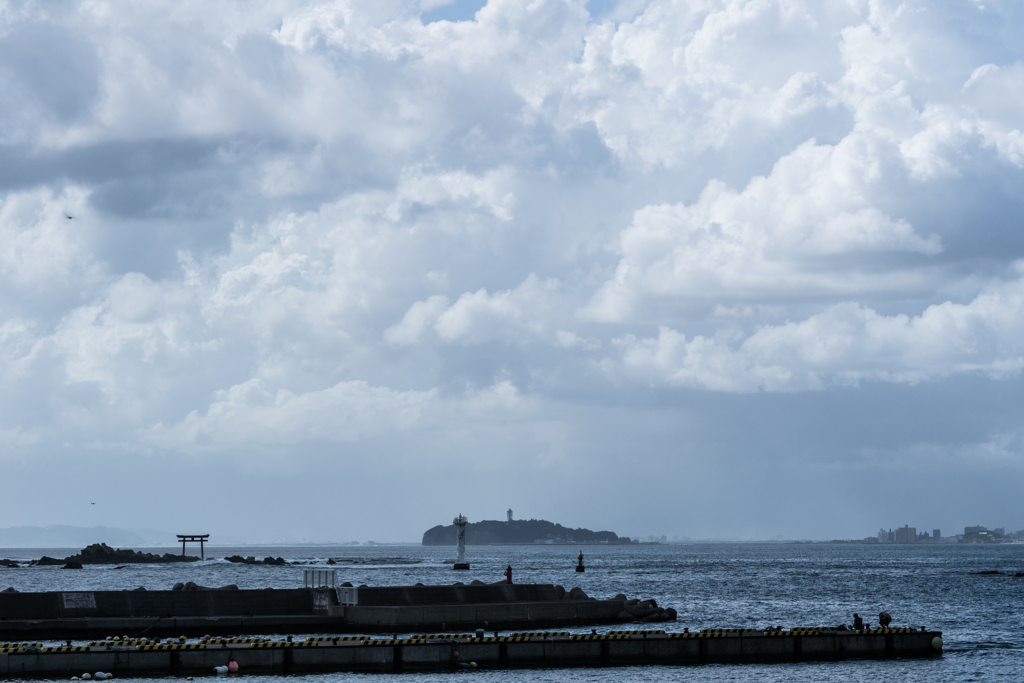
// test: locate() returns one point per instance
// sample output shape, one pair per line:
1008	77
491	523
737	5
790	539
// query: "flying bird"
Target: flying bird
67	216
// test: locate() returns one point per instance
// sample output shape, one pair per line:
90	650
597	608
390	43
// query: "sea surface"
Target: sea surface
711	585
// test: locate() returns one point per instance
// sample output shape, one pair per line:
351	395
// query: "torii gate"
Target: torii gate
193	538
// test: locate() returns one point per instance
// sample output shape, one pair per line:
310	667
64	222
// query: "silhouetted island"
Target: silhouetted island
520	532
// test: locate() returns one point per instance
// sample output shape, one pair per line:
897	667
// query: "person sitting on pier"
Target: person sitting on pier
884	619
858	623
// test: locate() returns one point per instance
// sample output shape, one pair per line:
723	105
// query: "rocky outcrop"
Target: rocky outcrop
9	564
101	553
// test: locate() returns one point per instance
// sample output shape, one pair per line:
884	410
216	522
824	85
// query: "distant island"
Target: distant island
522	532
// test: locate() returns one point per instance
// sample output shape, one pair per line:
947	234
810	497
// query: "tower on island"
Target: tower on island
510	514
460	542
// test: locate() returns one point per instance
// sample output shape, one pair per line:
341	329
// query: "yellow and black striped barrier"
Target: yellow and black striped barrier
282	643
342	639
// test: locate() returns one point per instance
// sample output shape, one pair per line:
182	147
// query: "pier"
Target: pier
433	652
94	614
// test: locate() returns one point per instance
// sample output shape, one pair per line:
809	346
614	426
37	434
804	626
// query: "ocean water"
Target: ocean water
711	586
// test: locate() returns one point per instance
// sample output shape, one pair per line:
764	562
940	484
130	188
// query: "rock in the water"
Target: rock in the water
9	589
178	587
45	561
330	561
672	614
10	564
625	617
101	553
72	565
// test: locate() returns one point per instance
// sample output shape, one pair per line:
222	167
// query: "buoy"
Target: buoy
86	677
220	669
233	666
100	676
937	643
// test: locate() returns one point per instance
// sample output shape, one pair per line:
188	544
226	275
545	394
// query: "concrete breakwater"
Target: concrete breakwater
94	614
454	651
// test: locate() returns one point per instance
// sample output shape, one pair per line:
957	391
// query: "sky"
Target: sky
326	271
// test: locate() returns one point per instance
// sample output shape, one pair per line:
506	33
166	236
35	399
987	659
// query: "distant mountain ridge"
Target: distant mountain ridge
62	536
520	532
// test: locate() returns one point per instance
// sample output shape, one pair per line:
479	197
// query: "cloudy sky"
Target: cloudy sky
342	270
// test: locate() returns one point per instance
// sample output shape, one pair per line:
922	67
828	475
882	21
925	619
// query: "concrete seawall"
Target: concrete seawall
424	653
96	614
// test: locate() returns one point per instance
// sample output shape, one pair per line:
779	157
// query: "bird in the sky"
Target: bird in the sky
68	217
92	503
